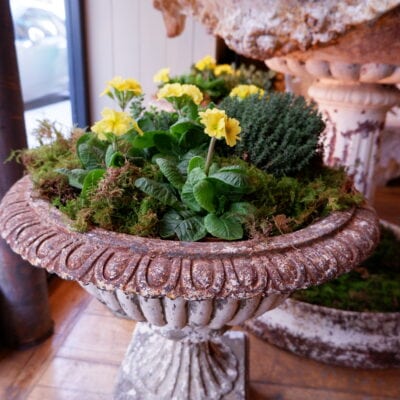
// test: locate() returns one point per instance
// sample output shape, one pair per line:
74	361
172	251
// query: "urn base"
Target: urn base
155	367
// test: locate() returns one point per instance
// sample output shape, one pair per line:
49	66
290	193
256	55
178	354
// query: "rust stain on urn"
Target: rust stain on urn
201	270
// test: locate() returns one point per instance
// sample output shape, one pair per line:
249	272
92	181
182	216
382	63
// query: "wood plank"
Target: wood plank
263	391
67	301
271	365
96	307
48	393
387	203
76	375
97	338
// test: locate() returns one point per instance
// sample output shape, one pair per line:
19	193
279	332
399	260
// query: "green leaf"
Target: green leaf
188	198
144	141
204	194
191	229
162	192
185	159
235	178
91	151
169	222
114	158
91	180
75	176
185	225
223	227
166	143
191	109
171	172
195	175
146	123
214	167
193	137
182	126
196	162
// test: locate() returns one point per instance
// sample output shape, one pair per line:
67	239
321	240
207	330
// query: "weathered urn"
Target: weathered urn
185	295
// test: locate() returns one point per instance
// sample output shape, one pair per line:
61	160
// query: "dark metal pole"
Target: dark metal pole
24	308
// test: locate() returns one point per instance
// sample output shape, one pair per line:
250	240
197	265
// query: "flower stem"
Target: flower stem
210	154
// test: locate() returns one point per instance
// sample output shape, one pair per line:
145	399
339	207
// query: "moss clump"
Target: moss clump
55	152
373	287
280	132
285	204
116	204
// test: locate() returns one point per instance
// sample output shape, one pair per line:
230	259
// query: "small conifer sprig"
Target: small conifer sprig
280	132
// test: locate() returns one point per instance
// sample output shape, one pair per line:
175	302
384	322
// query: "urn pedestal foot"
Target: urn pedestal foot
160	368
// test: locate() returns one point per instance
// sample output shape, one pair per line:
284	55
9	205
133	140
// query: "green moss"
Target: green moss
286	204
41	162
116	204
374	286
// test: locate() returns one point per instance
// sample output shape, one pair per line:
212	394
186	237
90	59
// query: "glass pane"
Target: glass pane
41	45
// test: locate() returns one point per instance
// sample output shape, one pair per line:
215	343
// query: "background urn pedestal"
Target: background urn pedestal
355	115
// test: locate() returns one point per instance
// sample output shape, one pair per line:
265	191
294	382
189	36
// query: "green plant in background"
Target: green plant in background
373	286
217	80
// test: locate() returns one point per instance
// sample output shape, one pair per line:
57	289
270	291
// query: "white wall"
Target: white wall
128	38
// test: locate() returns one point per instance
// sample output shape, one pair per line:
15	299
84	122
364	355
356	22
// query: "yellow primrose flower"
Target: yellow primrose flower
223	69
194	92
162	76
207	62
219	125
244	91
232	131
178	90
214	122
117	122
170	90
123	85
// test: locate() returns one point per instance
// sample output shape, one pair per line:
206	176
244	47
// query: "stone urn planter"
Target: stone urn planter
185	295
334	336
345	338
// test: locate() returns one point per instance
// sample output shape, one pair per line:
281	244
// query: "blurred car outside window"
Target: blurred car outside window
41	46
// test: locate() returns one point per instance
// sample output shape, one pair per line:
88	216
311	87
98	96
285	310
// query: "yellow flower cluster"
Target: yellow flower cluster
219	125
244	91
223	69
123	85
116	122
162	76
178	90
207	62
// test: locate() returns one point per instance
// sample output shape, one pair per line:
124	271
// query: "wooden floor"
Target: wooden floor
80	361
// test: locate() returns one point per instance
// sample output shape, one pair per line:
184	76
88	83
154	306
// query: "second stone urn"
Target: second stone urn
185	295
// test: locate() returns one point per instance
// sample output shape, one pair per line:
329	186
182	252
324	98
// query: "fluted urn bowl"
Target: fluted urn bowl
186	295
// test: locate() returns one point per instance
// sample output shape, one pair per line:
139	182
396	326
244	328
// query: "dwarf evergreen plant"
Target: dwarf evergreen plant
279	131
